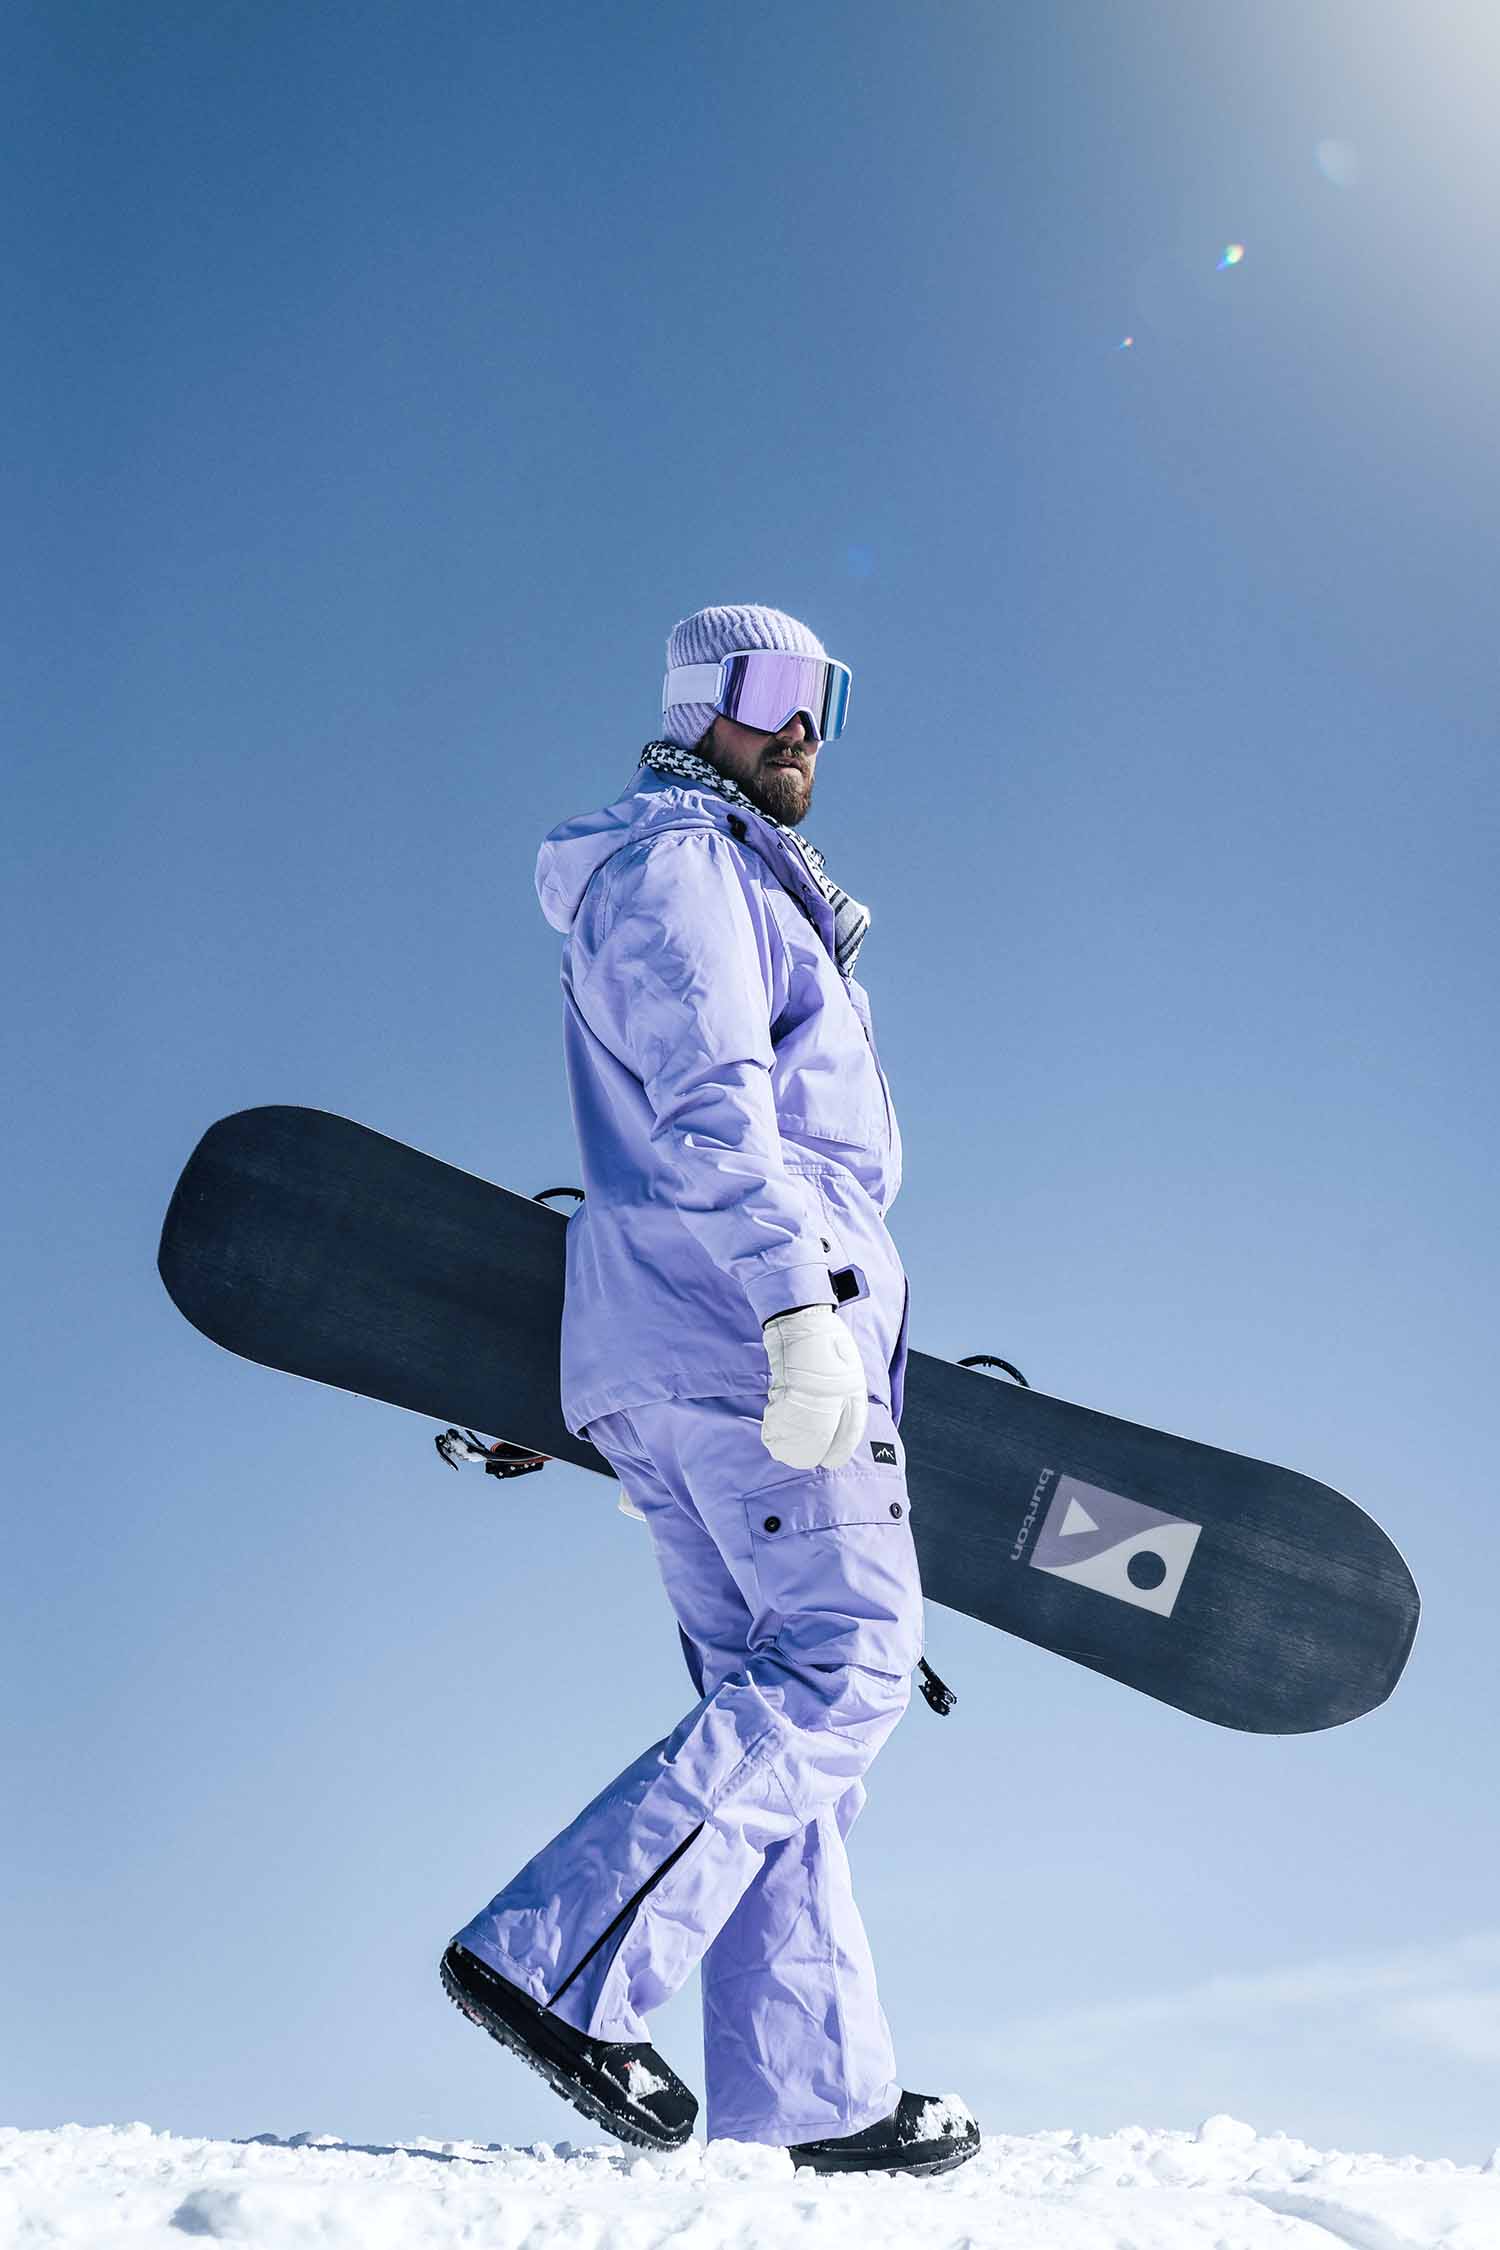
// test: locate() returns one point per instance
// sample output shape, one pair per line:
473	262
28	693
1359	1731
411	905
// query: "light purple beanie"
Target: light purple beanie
711	633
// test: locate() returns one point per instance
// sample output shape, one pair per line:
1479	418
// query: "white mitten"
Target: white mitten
816	1412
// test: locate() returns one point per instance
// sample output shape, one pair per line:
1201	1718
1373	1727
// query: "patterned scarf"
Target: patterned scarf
850	919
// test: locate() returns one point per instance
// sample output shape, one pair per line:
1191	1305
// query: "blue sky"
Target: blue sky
388	381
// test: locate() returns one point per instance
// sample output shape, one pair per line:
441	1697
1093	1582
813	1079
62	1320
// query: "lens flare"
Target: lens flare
1231	254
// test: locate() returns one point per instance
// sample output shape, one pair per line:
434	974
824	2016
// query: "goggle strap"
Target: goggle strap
691	683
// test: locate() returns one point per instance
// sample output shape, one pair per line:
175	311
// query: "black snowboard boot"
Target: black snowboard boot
628	2090
922	2134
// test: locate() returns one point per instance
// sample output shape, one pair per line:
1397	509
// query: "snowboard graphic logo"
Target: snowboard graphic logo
1116	1546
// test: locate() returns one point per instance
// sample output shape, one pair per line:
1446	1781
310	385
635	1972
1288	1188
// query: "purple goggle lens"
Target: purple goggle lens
764	687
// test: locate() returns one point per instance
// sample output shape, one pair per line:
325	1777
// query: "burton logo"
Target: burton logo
1028	1521
1114	1545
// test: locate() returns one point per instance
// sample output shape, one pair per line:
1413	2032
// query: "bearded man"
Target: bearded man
734	1339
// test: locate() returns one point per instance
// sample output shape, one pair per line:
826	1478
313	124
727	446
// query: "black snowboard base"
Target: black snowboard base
1245	1594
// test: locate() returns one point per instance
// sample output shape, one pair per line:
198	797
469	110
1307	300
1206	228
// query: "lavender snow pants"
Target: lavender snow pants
801	1612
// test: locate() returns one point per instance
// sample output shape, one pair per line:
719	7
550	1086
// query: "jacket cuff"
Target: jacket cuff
778	1291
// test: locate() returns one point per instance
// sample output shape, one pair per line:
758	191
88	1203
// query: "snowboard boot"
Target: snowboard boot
627	2089
922	2134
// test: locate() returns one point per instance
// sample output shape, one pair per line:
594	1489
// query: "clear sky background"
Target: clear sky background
383	382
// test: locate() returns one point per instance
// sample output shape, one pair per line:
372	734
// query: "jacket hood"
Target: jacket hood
573	852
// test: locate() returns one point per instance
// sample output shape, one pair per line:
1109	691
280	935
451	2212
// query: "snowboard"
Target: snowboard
1248	1595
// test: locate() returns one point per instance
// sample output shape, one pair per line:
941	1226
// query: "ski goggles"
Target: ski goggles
764	687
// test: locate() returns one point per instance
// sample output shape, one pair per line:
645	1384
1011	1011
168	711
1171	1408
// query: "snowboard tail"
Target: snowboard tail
1248	1595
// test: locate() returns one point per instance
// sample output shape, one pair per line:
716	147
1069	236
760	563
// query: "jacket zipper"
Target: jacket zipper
890	1115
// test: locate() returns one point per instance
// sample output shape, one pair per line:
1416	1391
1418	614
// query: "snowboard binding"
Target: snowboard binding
988	1359
502	1459
940	1697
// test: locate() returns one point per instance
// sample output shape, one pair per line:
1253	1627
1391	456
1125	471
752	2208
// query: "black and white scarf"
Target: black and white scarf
850	919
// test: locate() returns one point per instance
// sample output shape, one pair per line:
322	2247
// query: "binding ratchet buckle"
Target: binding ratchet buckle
501	1459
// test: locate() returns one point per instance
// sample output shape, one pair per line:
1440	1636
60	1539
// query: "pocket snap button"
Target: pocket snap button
896	1508
773	1523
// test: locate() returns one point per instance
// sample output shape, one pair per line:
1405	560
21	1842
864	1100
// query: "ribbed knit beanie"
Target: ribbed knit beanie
711	633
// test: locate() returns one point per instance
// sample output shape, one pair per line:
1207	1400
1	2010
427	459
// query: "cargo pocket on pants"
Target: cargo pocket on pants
834	1558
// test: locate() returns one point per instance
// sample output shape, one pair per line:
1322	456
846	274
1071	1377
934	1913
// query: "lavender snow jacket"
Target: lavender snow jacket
735	1129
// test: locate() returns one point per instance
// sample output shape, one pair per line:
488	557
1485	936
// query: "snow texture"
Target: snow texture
946	2115
640	2082
82	2187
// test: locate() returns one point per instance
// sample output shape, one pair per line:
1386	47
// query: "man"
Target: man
734	1340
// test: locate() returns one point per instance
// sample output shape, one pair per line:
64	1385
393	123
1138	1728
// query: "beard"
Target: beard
783	793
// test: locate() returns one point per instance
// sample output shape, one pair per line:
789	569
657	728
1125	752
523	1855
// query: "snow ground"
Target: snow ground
80	2187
